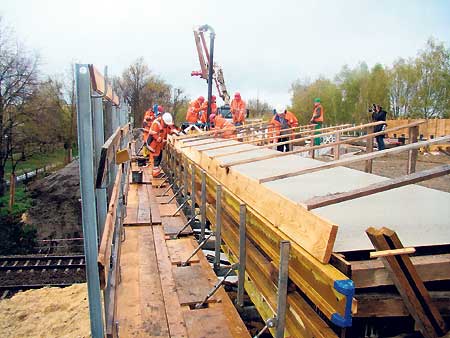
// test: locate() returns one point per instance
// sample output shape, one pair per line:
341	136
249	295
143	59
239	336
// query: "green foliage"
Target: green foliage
259	109
22	202
414	88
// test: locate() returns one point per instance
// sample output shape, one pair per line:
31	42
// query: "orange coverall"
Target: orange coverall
192	114
149	116
221	124
238	110
204	110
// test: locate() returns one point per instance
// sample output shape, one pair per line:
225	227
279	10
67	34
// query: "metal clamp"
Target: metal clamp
174	195
184	226
180	207
165	180
166	191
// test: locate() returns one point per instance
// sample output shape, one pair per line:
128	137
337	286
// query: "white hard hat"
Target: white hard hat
167	118
280	109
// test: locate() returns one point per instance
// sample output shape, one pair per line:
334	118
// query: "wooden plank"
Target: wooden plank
372	273
409	284
156	182
369	149
180	250
189	292
206	323
172	225
167	209
394	252
391	304
412	154
107	155
346	161
321	201
144	206
173	309
98	85
104	251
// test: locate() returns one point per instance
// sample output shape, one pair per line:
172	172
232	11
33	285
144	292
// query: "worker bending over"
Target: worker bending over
161	127
204	109
193	112
317	119
279	125
223	128
238	110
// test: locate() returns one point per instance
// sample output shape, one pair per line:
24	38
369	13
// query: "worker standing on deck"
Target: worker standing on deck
238	110
379	115
204	109
281	125
317	119
161	127
192	114
227	129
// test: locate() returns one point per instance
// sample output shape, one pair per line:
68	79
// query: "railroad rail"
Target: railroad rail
20	273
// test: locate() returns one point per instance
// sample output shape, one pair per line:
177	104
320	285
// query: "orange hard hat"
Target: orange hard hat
201	99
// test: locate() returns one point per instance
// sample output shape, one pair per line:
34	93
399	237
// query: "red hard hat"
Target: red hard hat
161	109
213	98
201	99
237	95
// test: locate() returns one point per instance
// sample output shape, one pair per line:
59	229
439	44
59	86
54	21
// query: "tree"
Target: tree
259	109
403	87
432	96
18	79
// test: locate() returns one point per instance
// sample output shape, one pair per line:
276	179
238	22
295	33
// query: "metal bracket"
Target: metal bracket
165	180
174	195
197	249
167	190
270	323
180	207
184	227
216	287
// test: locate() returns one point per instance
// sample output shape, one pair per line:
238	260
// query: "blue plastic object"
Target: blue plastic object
347	288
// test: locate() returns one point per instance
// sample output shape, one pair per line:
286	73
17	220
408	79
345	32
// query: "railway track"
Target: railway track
20	273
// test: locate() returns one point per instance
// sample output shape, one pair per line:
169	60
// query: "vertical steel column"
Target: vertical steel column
193	190
89	218
242	253
218	226
283	276
99	140
203	207
185	174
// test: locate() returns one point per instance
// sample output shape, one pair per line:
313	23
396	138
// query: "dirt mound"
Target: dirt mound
56	211
47	312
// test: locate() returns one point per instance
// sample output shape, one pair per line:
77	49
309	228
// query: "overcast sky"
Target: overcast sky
263	46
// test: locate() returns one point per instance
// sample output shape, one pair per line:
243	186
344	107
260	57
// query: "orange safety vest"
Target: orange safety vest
157	131
292	119
274	129
221	124
318	109
149	117
192	112
238	110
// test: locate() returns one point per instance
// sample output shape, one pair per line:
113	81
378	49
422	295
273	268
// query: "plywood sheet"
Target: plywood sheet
207	323
181	249
174	224
192	284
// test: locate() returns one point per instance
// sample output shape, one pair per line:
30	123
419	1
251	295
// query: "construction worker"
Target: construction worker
192	114
161	127
317	119
379	115
281	123
238	110
204	109
227	128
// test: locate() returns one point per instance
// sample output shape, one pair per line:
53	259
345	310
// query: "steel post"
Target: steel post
242	254
218	226
99	140
89	217
193	190
283	276
185	176
203	206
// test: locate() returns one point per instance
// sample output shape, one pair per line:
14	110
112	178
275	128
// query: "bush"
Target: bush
16	237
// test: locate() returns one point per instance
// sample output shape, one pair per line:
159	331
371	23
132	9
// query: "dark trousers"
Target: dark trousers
284	147
380	142
157	159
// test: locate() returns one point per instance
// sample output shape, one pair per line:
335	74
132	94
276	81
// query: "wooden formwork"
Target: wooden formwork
432	128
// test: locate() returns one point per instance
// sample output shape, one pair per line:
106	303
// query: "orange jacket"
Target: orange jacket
192	114
204	110
221	124
318	110
238	110
292	119
274	128
149	116
158	134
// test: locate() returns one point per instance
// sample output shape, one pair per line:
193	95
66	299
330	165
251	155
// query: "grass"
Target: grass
39	160
22	201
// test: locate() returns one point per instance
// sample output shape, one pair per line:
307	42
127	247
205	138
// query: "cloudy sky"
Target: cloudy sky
262	45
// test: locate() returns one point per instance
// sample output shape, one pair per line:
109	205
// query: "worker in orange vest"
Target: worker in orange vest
192	114
238	110
204	109
161	127
280	123
218	123
149	116
317	119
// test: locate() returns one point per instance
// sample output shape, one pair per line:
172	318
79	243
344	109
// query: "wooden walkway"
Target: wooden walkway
156	296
